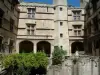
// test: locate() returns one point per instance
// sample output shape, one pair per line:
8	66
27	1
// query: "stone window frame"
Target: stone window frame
77	29
30	28
32	12
77	14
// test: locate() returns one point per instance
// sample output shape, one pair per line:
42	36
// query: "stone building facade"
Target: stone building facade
8	25
76	29
92	28
45	26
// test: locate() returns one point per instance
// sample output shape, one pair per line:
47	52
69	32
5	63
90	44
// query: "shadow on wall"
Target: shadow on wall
39	71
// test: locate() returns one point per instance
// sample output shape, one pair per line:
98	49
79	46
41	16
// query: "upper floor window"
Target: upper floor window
1	16
61	35
61	23
12	8
12	24
54	8
61	8
77	30
47	9
31	12
76	15
13	4
30	29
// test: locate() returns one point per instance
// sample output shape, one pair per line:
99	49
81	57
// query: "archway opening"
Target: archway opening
25	47
77	46
44	47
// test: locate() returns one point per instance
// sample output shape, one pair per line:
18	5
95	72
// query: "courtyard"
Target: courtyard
52	37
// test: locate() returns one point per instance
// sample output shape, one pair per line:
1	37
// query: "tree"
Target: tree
58	55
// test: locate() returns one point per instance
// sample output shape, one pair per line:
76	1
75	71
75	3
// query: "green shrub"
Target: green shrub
41	59
23	63
58	55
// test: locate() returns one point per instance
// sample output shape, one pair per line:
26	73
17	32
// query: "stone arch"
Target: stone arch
44	46
77	46
26	46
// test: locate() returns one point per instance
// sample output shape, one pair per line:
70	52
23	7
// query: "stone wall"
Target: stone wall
83	65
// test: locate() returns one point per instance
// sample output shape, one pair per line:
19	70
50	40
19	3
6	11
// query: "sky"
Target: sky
70	2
